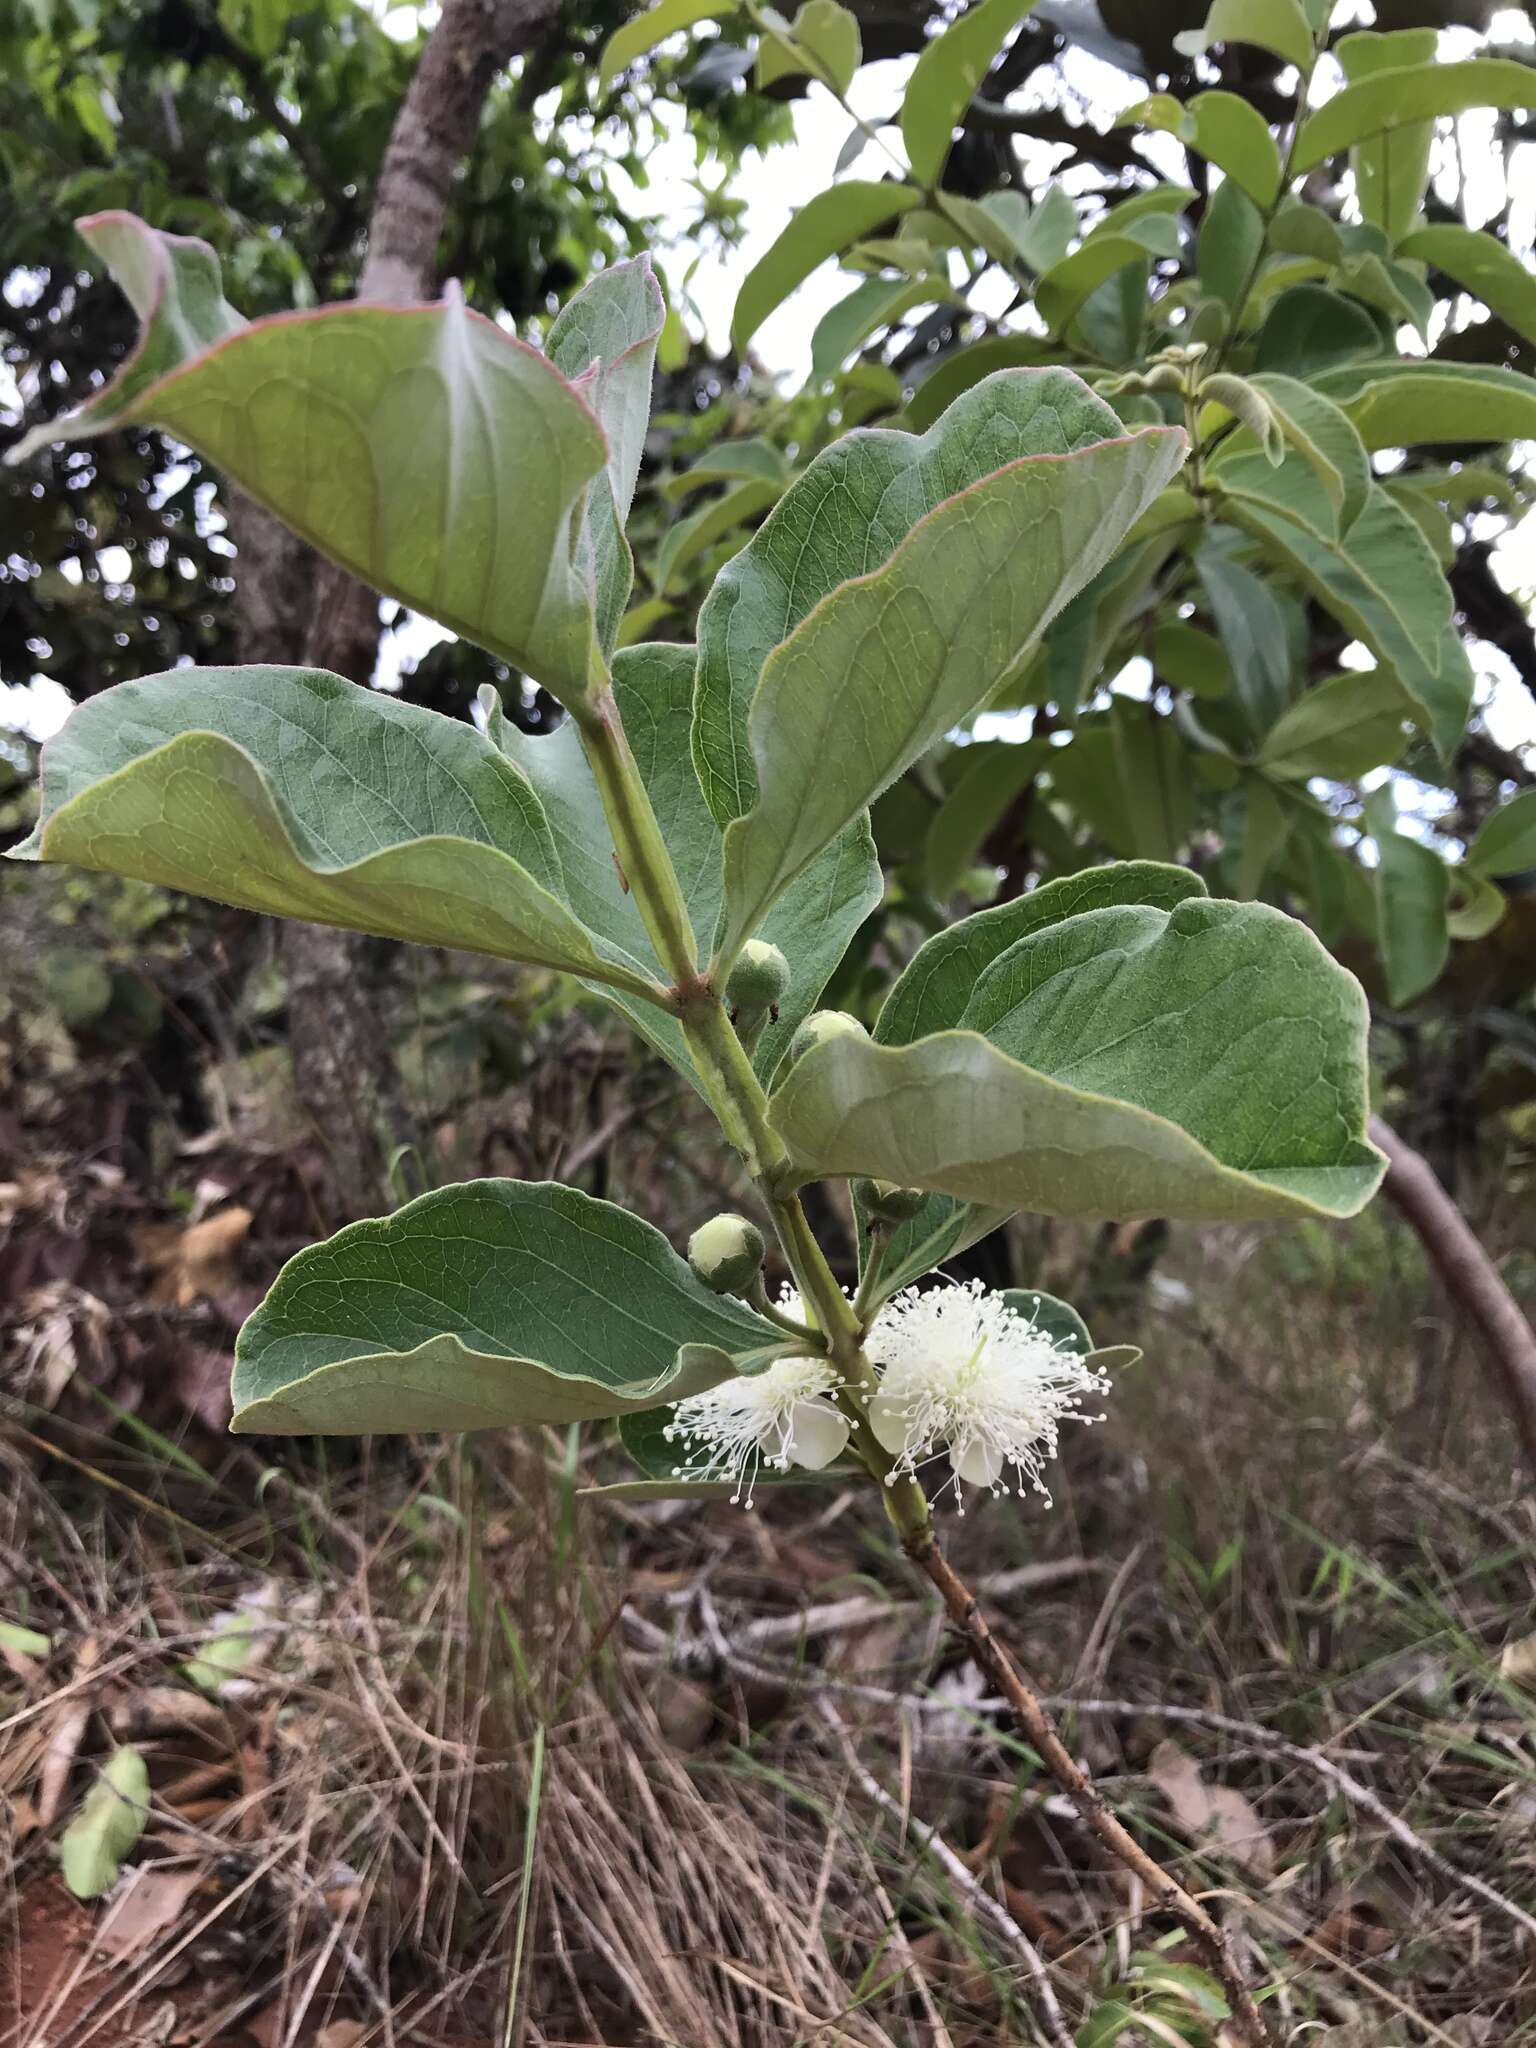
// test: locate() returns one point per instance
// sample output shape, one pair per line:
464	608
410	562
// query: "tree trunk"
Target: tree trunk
292	606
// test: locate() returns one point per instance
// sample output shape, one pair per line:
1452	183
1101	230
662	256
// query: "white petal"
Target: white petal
817	1434
978	1463
888	1423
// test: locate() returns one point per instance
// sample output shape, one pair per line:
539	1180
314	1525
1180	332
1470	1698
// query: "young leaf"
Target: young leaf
1483	266
297	793
932	563
433	455
474	1307
107	1826
1390	170
826	225
931	995
1506	845
1413	893
945	77
812	923
1227	131
1403	403
1405	96
1341	729
1324	437
639	37
1379	580
1279	26
1158	1047
604	340
823	40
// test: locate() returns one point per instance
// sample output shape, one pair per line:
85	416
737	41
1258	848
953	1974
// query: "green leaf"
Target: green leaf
1231	237
107	1827
1227	131
945	77
1300	229
1279	26
1403	97
992	774
1191	660
1205	1063
1264	826
296	793
423	448
1403	403
812	923
1476	907
640	36
898	584
1309	328
700	530
823	40
1413	893
604	340
1341	729
1483	266
26	1642
968	366
1128	775
1246	404
474	1307
643	1437
1390	170
1325	438
829	223
1112	246
1379	580
752	458
1252	630
1056	1318
877	302
1506	844
933	991
223	1656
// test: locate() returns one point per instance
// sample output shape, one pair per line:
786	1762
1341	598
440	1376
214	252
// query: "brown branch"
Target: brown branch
994	1662
1469	1275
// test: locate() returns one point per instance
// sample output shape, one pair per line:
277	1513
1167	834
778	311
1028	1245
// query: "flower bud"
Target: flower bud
758	980
726	1253
821	1027
885	1201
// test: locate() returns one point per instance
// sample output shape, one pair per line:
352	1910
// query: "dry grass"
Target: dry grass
500	1766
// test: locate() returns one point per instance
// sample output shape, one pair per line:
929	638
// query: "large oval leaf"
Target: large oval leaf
1206	1063
497	1302
295	792
934	992
1404	403
1403	97
893	589
422	447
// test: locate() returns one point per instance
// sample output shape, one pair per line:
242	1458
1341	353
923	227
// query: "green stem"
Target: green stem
645	866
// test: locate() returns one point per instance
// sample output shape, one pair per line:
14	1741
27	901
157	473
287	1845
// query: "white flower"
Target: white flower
962	1371
778	1418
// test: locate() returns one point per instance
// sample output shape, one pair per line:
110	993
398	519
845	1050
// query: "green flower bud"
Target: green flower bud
758	980
726	1253
822	1026
884	1201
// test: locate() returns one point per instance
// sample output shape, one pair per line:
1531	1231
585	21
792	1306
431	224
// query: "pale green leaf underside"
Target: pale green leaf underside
812	923
421	447
936	988
1204	1063
493	1303
297	793
883	667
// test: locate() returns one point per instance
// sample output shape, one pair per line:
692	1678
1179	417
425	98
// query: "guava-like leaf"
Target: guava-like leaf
1279	26
812	923
1206	1062
644	1437
474	1307
826	225
1413	896
1380	580
605	340
639	37
934	991
1482	265
1404	97
945	77
1404	402
1506	844
1342	728
1390	170
1323	436
896	585
107	1826
295	792
1228	131
423	448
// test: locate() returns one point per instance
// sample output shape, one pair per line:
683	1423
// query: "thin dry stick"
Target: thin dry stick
995	1663
1470	1277
975	1893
